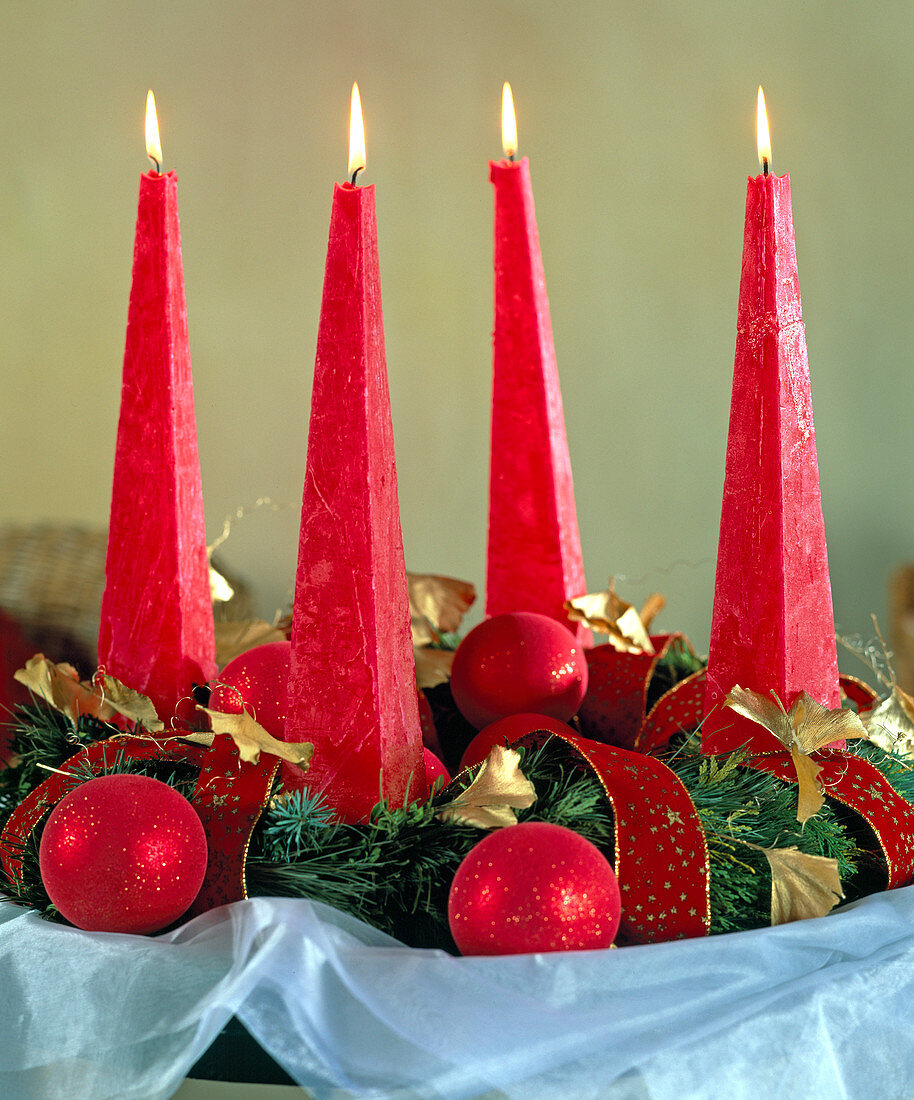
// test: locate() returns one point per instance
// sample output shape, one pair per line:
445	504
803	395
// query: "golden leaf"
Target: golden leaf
805	728
60	686
252	739
816	726
433	666
500	787
198	737
802	886
436	605
130	703
607	613
890	725
235	638
810	798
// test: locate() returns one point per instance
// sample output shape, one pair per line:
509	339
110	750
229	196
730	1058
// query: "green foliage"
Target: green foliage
676	664
43	739
739	806
394	871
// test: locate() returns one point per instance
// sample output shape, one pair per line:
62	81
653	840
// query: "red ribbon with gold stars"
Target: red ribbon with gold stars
661	858
845	777
230	797
864	789
613	709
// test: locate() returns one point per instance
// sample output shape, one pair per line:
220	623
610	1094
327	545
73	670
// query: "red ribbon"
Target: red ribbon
661	854
230	797
613	708
845	777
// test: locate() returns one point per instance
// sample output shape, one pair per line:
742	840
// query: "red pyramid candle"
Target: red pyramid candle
534	560
772	626
352	689
156	630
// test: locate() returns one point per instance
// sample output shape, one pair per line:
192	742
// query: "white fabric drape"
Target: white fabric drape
819	1007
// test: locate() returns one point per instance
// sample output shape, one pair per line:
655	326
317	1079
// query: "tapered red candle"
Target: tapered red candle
352	688
772	627
156	631
534	560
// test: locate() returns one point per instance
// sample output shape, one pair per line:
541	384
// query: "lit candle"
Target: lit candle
156	630
352	688
534	560
773	626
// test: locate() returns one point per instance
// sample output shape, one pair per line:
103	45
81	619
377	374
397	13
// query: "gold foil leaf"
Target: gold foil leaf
433	666
130	703
607	613
651	608
810	798
198	737
890	725
252	739
220	591
808	725
500	787
436	605
235	638
802	886
816	726
60	686
805	728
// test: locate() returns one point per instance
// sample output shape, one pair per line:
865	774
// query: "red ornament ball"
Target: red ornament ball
508	730
256	681
533	887
518	662
123	853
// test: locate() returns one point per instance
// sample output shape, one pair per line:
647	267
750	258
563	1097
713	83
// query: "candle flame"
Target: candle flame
508	122
764	140
356	135
153	145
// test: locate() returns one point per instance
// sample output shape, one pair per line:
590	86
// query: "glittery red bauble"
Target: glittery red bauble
259	680
434	769
507	731
518	662
533	887
123	853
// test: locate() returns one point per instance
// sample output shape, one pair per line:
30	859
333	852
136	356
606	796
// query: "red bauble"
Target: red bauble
123	853
533	887
434	769
518	662
259	680
507	731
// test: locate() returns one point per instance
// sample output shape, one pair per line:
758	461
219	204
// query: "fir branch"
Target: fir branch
395	871
737	806
676	664
42	738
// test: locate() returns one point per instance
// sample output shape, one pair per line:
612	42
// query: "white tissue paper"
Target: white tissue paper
817	1008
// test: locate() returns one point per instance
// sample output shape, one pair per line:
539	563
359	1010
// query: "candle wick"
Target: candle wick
361	168
156	163
764	166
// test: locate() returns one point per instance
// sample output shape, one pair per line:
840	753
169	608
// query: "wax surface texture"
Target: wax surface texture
534	560
773	626
156	632
352	688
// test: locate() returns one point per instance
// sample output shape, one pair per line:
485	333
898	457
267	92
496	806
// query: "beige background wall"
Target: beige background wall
639	123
